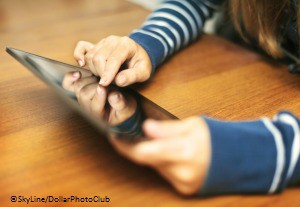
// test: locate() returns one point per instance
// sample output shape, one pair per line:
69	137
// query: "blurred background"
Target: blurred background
42	26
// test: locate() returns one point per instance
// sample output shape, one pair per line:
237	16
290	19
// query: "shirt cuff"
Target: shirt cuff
152	46
243	158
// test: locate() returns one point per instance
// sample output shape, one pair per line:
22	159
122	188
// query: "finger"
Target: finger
98	101
121	108
163	129
69	80
86	95
126	77
132	75
81	49
143	152
99	59
117	101
78	85
122	53
96	57
181	178
88	58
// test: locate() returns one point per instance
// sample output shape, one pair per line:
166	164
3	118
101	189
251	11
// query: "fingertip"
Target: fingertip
158	129
76	75
69	79
150	123
78	56
114	98
121	80
126	77
81	49
106	79
100	90
103	81
97	104
150	127
149	152
117	101
81	63
146	149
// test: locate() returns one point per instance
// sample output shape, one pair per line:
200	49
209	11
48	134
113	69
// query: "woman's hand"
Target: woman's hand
105	59
93	97
178	150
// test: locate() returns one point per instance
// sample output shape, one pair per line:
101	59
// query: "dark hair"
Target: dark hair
262	19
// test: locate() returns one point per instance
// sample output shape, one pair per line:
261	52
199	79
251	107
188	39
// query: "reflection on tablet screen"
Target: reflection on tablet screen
123	119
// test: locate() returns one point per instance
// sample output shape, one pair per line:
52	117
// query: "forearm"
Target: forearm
172	26
253	157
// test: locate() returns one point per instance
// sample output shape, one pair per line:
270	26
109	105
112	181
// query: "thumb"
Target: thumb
163	129
126	77
69	79
132	75
117	101
143	152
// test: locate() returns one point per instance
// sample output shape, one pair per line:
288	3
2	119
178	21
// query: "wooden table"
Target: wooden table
47	149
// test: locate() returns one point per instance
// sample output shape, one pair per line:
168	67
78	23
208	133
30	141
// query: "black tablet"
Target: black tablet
129	127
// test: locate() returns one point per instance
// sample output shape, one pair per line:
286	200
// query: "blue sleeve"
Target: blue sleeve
172	26
254	156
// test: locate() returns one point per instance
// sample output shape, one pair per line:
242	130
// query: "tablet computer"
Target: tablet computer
139	108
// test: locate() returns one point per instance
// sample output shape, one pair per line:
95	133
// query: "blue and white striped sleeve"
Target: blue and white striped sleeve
253	157
172	26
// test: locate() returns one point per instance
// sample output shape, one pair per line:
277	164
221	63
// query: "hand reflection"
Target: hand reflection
106	103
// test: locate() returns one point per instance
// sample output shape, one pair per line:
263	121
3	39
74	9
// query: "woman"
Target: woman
199	155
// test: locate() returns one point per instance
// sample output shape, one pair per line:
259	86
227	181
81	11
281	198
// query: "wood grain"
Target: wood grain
47	149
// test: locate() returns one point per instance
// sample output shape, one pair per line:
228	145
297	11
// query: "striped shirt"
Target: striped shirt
259	156
172	26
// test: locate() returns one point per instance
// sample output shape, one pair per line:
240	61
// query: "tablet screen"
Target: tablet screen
124	120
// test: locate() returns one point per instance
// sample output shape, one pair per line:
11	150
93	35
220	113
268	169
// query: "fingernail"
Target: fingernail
102	81
100	90
76	75
80	62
